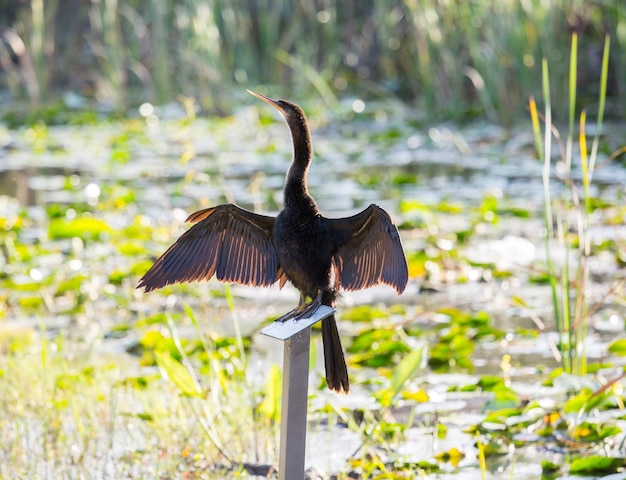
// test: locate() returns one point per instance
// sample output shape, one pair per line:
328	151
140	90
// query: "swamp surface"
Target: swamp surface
99	380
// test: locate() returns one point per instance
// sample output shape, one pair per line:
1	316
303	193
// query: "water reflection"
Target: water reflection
346	175
345	169
15	183
33	186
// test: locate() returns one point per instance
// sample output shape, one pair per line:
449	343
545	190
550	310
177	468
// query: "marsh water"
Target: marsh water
440	183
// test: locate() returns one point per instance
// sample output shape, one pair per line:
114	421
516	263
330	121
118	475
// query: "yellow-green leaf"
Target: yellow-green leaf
406	368
270	406
618	347
178	374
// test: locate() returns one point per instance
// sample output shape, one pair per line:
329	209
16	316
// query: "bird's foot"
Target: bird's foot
302	311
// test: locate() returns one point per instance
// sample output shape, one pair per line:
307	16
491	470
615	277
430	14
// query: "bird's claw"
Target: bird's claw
304	311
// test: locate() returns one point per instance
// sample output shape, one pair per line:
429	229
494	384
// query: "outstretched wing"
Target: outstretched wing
229	242
370	251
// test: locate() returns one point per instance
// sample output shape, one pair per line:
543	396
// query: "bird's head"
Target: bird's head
290	111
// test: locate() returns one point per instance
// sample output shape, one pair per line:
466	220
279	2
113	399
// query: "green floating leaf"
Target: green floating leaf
515	211
586	401
155	340
178	374
132	249
363	313
136	231
377	347
86	228
495	447
403	179
593	432
595	465
448	207
454	456
30	303
69	285
607	431
117	277
140	268
503	400
618	347
540	279
415	206
502	415
391	134
490	383
577	402
368	179
369	339
549	467
422	466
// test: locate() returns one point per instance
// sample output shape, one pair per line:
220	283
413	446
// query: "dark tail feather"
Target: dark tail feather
336	370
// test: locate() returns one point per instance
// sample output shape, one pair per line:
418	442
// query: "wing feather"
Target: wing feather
227	242
369	251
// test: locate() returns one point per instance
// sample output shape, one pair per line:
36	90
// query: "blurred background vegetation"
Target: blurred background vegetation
451	59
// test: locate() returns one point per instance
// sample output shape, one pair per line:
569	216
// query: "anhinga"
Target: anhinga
318	255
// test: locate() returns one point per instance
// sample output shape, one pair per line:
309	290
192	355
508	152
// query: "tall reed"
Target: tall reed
452	59
564	211
39	41
109	49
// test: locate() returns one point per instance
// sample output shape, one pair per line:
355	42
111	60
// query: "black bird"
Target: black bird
318	255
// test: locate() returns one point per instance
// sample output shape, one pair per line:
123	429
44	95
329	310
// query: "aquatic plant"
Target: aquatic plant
569	210
452	59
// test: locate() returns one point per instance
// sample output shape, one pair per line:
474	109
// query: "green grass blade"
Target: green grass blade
216	375
272	394
547	150
314	78
548	215
534	119
233	314
601	105
481	456
572	101
584	164
405	369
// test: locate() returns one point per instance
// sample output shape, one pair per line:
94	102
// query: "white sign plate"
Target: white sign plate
288	328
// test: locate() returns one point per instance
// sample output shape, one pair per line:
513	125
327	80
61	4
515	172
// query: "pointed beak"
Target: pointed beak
271	101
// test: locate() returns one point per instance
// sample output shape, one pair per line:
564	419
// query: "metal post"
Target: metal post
296	335
294	406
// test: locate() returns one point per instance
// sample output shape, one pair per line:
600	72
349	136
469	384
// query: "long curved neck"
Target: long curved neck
296	191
